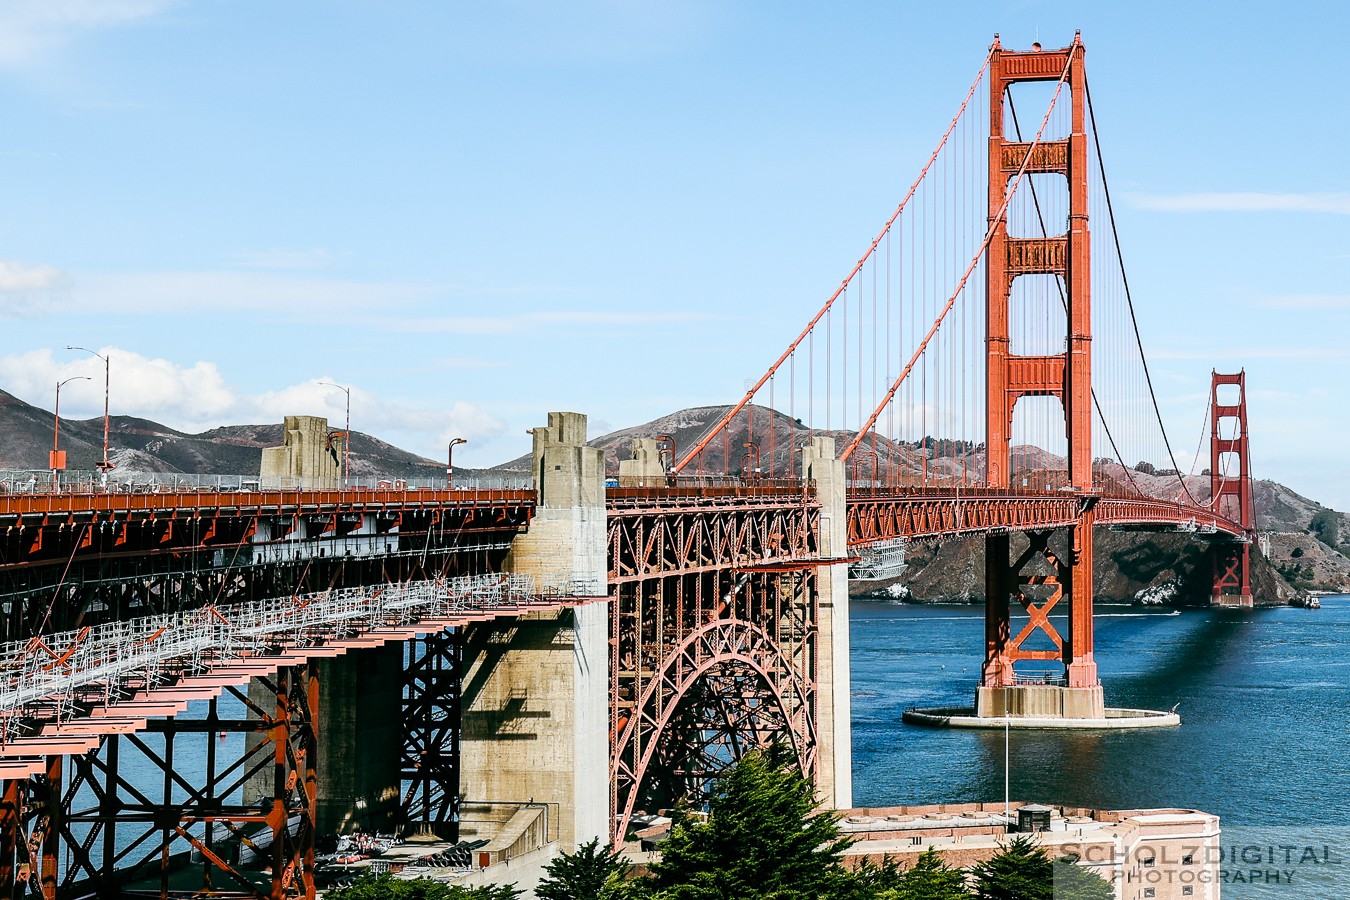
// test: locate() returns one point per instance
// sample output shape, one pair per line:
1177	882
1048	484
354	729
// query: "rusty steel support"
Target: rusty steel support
30	823
179	810
432	720
714	631
706	667
9	837
1231	494
1066	376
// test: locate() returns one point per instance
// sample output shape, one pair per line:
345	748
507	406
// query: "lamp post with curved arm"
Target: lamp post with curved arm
450	462
105	466
347	435
58	460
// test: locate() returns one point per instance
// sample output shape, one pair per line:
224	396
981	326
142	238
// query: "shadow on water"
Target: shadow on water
1178	664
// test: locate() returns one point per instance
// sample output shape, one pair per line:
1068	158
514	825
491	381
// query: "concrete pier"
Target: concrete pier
360	748
536	688
304	459
1046	701
834	728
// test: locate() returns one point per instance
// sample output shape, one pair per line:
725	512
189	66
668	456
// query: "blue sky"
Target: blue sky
474	213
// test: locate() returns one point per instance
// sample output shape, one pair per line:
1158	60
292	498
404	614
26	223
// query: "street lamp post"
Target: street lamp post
58	460
450	462
105	466
347	435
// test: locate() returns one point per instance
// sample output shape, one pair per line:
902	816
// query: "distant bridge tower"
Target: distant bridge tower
1042	575
1231	488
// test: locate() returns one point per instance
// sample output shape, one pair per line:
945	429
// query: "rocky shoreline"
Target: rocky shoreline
1132	569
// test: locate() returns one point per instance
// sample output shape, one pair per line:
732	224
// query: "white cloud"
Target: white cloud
185	397
27	290
31	28
1244	201
196	397
536	321
15	276
1330	302
282	295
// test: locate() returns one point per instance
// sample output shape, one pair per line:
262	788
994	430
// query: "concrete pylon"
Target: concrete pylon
304	459
645	468
359	740
536	688
834	727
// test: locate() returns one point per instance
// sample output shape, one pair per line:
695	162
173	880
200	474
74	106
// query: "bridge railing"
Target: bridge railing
39	481
710	489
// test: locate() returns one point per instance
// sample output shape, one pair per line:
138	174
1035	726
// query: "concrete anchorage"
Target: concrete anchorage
646	467
305	459
536	687
834	734
359	764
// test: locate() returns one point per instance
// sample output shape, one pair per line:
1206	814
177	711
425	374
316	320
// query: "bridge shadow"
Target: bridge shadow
1182	664
485	648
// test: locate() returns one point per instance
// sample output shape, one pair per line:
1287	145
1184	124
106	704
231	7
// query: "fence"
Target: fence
39	481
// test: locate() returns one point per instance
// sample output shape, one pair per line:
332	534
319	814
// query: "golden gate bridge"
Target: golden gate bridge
608	650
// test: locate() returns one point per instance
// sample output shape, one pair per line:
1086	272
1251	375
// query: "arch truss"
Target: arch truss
706	665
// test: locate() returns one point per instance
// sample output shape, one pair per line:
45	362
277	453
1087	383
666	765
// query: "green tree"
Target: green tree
1024	871
385	887
764	839
1326	525
1073	882
928	879
592	873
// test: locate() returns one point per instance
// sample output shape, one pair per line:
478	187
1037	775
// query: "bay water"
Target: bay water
1264	699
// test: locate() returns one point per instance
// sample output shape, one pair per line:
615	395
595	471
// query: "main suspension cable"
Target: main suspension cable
1129	299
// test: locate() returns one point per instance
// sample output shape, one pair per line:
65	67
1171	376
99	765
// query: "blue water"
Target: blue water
1264	699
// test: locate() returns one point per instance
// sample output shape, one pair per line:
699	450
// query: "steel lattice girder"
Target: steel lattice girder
432	715
117	825
688	537
704	667
885	515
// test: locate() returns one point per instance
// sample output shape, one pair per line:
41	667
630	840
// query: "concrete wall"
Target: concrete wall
360	746
536	688
303	459
834	727
644	468
359	743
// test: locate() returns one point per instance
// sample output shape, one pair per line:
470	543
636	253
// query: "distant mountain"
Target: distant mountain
143	446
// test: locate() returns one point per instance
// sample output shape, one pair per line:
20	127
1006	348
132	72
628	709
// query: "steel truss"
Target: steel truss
68	560
131	820
883	515
53	681
671	533
706	666
432	715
